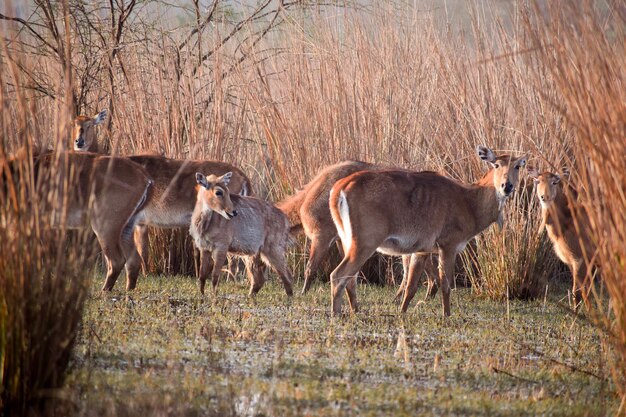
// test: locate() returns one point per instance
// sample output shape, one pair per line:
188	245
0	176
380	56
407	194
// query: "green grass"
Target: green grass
164	350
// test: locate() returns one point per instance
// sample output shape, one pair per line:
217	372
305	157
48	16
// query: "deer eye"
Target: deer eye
517	167
497	166
219	193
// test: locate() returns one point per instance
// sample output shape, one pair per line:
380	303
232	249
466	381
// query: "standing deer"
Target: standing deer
400	212
106	193
223	222
174	194
568	234
308	210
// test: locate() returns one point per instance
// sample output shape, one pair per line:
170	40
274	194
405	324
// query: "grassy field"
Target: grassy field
166	350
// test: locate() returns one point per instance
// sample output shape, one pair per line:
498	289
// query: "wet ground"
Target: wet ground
165	350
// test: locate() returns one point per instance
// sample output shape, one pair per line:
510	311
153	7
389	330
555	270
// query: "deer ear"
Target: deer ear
486	154
532	172
100	117
201	179
226	177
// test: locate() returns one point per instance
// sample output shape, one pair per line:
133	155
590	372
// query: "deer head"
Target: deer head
214	195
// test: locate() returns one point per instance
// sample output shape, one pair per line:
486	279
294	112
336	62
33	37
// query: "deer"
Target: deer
308	212
569	233
401	212
174	194
107	194
230	223
84	132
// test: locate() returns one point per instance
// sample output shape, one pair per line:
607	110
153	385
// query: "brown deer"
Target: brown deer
569	234
84	132
401	212
223	222
174	194
106	193
308	211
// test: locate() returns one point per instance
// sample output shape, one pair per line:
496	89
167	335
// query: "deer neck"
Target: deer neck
486	203
557	213
94	147
202	216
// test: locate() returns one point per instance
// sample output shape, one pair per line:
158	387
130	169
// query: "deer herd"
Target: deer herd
368	208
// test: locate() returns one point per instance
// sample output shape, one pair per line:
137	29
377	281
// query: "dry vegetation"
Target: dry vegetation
282	89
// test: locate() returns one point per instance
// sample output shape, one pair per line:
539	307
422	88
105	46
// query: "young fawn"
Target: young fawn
568	233
246	226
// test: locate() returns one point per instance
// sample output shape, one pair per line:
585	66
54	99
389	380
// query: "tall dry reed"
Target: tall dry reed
44	269
584	49
524	263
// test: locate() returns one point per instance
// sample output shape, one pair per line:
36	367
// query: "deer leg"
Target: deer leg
351	291
114	257
581	286
319	248
338	281
345	272
133	263
219	257
233	266
446	271
206	267
255	270
432	276
109	235
276	259
414	277
141	243
406	262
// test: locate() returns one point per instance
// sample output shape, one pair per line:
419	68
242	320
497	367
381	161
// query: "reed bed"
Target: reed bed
44	268
586	58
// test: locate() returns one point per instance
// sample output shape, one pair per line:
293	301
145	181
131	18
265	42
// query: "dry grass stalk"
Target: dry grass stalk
42	268
584	50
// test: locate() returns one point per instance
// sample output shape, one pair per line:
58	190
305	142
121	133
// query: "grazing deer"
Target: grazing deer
569	235
174	194
308	211
107	193
223	222
401	212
